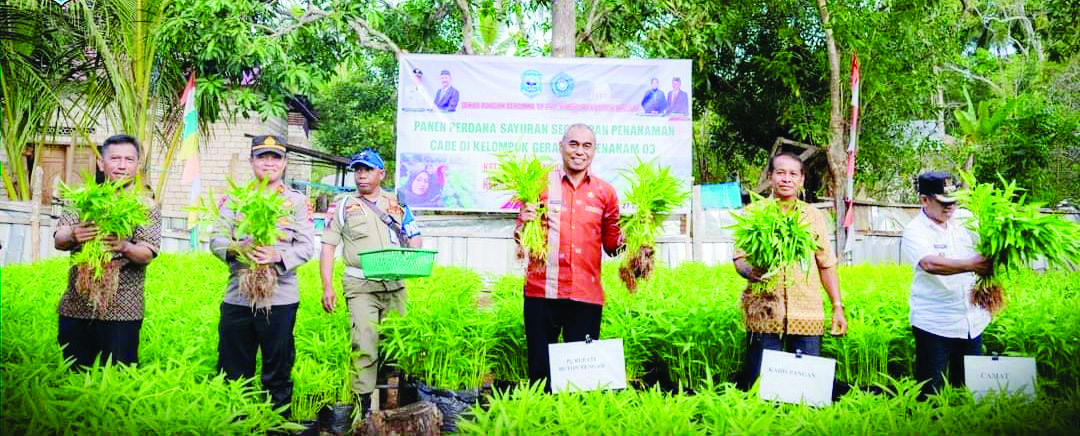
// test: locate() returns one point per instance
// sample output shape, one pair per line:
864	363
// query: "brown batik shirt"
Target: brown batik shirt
128	304
801	310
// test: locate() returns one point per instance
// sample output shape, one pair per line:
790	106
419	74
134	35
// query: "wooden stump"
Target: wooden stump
392	392
421	418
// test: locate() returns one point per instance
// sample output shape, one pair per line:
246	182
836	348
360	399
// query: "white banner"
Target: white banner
456	112
986	374
795	379
581	366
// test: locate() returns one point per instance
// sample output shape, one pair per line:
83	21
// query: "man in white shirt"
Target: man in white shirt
946	325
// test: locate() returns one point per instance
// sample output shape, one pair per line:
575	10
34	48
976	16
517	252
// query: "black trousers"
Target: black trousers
757	343
546	318
935	355
83	340
243	331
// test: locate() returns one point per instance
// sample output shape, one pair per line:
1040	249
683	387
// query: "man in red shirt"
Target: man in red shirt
563	295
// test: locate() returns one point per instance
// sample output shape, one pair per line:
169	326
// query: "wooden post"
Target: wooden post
36	195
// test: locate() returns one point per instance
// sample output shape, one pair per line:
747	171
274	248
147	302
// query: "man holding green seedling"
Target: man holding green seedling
789	314
945	323
247	326
563	295
370	220
111	330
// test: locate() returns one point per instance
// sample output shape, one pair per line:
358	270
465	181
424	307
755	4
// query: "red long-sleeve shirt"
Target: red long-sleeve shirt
581	222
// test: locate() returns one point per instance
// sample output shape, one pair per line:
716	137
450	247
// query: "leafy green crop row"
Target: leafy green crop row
176	388
725	410
684	323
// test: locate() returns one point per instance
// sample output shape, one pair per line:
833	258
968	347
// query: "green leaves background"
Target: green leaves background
686	318
654	193
1013	234
258	210
771	237
115	210
526	178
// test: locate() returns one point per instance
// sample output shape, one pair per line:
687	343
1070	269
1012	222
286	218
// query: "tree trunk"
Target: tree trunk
1029	32
836	154
421	418
466	27
563	28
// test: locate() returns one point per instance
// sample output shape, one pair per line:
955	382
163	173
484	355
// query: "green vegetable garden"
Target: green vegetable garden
462	103
681	330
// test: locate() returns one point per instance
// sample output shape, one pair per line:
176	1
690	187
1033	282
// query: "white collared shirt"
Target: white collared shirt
941	304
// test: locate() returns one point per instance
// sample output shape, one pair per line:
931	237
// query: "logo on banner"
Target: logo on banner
562	85
530	83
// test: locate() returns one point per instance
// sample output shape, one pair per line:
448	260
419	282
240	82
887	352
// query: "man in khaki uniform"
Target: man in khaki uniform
247	327
369	220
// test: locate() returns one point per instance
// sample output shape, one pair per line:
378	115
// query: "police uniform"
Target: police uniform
359	228
246	326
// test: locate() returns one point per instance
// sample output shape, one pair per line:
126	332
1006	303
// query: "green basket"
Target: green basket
397	263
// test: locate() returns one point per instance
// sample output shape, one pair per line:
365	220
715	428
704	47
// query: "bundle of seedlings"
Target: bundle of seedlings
258	210
116	211
526	178
773	239
654	193
1011	235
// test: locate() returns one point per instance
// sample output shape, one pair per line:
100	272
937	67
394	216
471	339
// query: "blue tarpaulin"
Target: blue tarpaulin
721	196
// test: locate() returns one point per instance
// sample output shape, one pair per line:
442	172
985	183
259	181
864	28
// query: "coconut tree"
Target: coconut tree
134	86
38	59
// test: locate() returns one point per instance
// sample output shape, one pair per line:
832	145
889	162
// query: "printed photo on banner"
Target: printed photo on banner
676	103
455	113
447	97
433	181
415	96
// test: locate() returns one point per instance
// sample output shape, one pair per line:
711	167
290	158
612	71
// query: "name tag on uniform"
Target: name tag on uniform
941	249
989	374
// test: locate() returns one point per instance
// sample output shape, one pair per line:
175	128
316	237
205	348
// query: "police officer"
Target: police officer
247	326
368	220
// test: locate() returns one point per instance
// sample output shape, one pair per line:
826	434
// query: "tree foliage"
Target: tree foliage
39	60
761	70
356	111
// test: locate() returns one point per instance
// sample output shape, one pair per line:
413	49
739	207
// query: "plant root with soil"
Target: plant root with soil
638	267
762	307
258	284
100	288
989	295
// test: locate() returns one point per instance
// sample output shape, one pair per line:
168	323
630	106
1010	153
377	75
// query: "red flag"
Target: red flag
853	148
